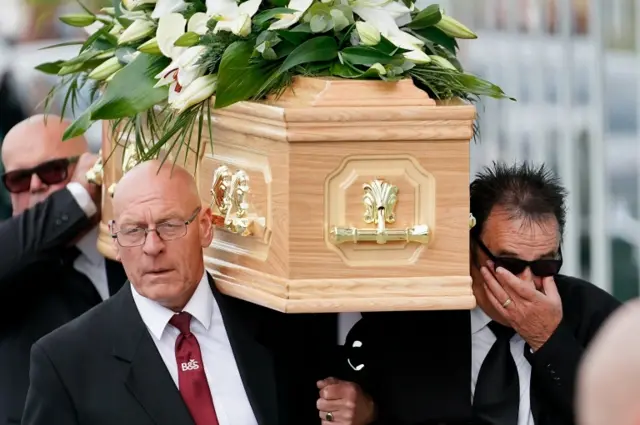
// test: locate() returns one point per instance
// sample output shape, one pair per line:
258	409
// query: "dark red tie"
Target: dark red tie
191	377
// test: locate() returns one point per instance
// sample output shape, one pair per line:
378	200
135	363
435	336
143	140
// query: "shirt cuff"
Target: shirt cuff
83	198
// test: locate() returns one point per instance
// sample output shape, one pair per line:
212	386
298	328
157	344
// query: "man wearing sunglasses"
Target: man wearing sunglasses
510	361
50	269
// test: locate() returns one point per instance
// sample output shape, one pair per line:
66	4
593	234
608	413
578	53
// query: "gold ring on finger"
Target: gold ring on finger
329	417
506	303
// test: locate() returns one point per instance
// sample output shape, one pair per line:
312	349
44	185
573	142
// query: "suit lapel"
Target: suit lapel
255	361
146	376
116	277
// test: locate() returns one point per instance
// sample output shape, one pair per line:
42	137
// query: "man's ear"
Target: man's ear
206	227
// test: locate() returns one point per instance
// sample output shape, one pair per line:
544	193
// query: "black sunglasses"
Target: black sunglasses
50	172
542	268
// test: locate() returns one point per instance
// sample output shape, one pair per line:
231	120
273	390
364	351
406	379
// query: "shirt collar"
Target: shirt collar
88	246
479	320
156	317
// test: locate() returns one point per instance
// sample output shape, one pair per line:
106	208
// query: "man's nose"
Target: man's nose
526	274
153	245
36	184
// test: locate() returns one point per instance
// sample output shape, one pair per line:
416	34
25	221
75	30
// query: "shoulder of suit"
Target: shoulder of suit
576	292
83	331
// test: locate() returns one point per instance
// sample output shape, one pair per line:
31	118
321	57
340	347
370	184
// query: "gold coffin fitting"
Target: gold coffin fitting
230	203
379	201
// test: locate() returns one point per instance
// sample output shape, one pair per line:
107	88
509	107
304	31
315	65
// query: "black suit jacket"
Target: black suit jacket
39	291
417	365
104	368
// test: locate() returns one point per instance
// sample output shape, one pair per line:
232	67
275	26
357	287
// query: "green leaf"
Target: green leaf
302	28
437	36
316	49
68	43
348	71
264	16
79	126
385	46
364	56
238	78
294	37
126	55
427	17
131	91
50	67
82	58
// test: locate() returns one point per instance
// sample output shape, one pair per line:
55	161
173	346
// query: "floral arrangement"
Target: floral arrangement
156	68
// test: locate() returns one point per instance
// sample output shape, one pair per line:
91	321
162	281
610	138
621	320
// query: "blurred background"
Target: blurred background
572	65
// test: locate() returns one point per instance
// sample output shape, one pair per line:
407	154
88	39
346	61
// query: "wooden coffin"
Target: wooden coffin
338	196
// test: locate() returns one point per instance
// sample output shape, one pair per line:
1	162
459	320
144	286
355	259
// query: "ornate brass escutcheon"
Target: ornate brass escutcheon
379	201
130	159
230	203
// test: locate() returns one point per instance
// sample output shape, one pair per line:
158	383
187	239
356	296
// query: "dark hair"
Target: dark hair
522	189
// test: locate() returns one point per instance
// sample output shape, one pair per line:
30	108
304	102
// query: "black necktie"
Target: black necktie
497	394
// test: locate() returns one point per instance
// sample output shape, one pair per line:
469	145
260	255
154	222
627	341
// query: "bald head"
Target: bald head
609	376
165	265
153	176
39	139
32	143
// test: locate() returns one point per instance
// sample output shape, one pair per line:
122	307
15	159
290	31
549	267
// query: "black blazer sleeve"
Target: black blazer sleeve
48	401
37	234
414	365
554	366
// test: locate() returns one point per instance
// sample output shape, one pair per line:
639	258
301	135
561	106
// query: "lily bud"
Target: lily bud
70	69
150	47
417	56
132	4
111	11
137	31
187	40
443	62
106	69
199	90
453	28
377	67
369	35
78	20
116	30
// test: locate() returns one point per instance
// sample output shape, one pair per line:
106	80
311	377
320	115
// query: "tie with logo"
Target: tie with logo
497	394
191	377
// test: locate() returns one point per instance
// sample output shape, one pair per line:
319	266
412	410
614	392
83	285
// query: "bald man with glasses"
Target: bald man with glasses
170	348
50	269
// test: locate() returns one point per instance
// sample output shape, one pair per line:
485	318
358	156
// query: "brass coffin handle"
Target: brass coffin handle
230	203
379	201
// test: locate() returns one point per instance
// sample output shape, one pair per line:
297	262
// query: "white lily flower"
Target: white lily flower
417	56
286	20
382	14
170	29
183	70
132	4
136	31
198	23
200	90
232	16
369	35
165	7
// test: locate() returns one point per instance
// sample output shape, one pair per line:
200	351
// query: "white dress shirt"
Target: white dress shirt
482	339
90	262
227	390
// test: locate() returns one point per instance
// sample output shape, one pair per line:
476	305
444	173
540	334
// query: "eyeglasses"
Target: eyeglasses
167	231
50	172
542	268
